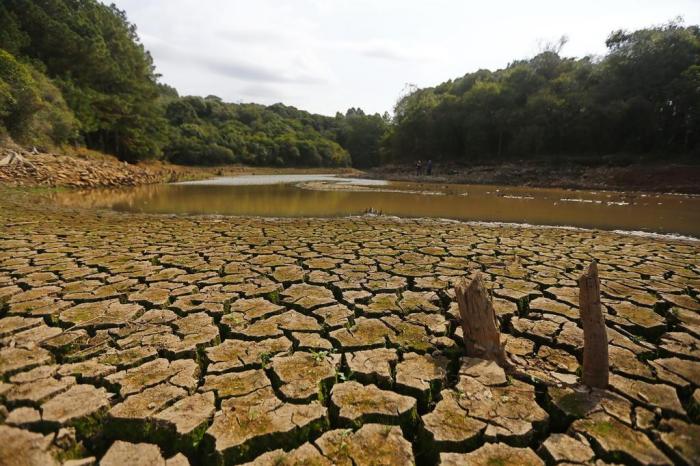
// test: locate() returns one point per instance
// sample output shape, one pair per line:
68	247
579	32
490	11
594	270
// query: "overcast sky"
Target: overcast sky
328	55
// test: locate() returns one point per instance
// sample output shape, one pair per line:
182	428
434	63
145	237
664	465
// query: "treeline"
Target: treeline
643	97
208	131
74	72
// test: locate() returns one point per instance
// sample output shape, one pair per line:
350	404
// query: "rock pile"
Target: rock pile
20	168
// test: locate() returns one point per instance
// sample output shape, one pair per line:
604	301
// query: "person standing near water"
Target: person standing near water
429	167
418	168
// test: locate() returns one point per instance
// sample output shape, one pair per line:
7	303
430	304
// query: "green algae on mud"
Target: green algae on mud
299	328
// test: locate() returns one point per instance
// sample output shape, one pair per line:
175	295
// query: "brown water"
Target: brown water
324	196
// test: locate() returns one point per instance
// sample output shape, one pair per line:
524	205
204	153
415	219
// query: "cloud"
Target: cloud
242	71
262	92
252	36
385	50
385	53
298	69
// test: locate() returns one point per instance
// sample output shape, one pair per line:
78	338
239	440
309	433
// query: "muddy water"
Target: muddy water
326	195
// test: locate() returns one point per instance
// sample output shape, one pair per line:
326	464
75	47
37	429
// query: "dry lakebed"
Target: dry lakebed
160	339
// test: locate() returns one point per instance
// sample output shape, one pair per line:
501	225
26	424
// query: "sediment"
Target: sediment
137	339
658	177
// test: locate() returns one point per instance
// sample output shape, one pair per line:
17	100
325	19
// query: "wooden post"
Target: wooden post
595	333
482	338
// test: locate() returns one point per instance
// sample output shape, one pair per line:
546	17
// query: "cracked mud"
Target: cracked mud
136	339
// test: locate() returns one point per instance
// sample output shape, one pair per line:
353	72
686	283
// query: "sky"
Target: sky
326	56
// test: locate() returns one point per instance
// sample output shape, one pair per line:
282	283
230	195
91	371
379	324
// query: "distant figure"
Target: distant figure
429	168
418	168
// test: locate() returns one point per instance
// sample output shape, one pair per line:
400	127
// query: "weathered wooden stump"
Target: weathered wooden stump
595	334
14	158
482	337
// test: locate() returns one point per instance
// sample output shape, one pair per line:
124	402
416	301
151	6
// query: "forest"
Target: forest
73	72
641	99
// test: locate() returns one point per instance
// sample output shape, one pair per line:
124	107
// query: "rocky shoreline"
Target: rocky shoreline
663	178
22	168
25	168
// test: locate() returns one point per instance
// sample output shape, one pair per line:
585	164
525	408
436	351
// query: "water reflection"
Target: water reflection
606	210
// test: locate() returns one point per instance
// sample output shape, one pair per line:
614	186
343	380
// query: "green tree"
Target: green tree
92	53
641	98
32	109
361	136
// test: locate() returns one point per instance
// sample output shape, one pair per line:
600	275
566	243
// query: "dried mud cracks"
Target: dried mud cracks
129	339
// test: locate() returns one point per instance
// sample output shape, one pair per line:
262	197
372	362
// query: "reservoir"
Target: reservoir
331	196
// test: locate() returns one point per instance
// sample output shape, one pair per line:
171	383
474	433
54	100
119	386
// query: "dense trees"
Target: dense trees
92	54
74	71
362	135
643	97
31	107
208	131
